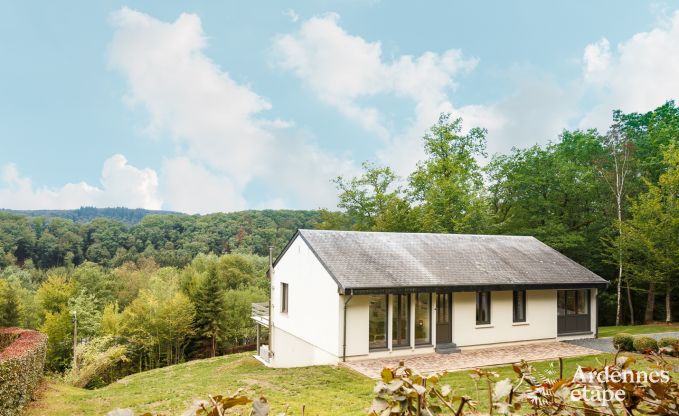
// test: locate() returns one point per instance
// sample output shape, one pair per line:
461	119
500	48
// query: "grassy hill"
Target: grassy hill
325	390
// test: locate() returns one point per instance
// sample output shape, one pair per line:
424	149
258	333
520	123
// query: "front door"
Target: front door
444	321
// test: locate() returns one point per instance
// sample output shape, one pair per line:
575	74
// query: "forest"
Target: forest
161	289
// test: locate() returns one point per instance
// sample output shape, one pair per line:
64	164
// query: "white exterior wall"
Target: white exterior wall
358	320
541	323
540	319
308	334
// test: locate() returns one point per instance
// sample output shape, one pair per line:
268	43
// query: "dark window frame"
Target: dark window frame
386	325
515	308
431	300
562	298
285	289
483	299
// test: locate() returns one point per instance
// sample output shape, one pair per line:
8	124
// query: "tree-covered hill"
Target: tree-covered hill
170	239
87	214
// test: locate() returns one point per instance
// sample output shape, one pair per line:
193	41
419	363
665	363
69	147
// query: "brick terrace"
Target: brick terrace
485	357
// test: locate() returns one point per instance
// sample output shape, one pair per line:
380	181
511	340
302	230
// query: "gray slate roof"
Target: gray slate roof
372	262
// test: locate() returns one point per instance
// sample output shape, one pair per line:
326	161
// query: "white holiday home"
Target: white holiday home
344	295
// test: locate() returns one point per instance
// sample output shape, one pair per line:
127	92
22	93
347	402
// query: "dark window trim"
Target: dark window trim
479	298
284	297
384	347
515	309
394	330
431	315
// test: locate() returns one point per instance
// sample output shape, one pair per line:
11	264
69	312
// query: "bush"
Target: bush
21	366
644	344
669	342
623	342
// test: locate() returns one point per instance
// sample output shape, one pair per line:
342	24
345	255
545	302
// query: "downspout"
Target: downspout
596	306
344	336
270	273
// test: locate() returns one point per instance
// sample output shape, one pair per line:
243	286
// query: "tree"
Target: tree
448	185
615	170
59	328
9	314
366	198
54	293
650	239
210	309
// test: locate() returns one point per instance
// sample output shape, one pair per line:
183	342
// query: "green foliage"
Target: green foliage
668	342
169	239
9	305
54	293
210	308
644	344
623	342
97	361
21	367
448	183
84	307
58	326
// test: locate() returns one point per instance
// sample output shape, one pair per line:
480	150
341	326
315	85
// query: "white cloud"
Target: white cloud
191	188
121	185
342	69
638	75
189	96
224	142
597	58
292	15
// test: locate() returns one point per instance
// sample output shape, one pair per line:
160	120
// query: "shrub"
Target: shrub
21	366
623	342
644	344
667	341
670	343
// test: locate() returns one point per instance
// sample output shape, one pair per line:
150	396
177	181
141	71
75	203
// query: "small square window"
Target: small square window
284	297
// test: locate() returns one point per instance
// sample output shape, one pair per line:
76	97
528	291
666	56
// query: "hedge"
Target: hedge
21	366
644	344
623	342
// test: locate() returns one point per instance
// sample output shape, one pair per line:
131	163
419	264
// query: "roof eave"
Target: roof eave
473	288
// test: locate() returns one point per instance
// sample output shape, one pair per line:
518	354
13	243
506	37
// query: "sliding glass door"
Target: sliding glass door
378	322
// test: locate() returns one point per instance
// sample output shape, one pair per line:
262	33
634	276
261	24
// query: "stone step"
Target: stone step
447	348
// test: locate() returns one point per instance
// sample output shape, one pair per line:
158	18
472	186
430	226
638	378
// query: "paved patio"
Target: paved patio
429	363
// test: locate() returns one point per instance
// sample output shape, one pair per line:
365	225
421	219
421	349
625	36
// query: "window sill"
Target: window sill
423	345
520	323
401	347
381	349
483	326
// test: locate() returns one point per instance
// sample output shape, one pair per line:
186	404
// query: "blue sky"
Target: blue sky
217	106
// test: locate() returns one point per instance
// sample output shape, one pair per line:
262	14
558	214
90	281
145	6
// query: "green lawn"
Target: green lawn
324	390
609	331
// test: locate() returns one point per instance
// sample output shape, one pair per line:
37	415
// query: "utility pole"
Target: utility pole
75	341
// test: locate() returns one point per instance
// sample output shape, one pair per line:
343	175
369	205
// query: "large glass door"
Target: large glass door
573	314
444	321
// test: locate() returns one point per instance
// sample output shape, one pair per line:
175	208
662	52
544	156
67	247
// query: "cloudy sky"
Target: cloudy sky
208	106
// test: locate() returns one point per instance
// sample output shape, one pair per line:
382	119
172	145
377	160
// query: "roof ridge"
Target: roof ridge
415	233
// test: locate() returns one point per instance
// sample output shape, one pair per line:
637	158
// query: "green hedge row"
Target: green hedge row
21	366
